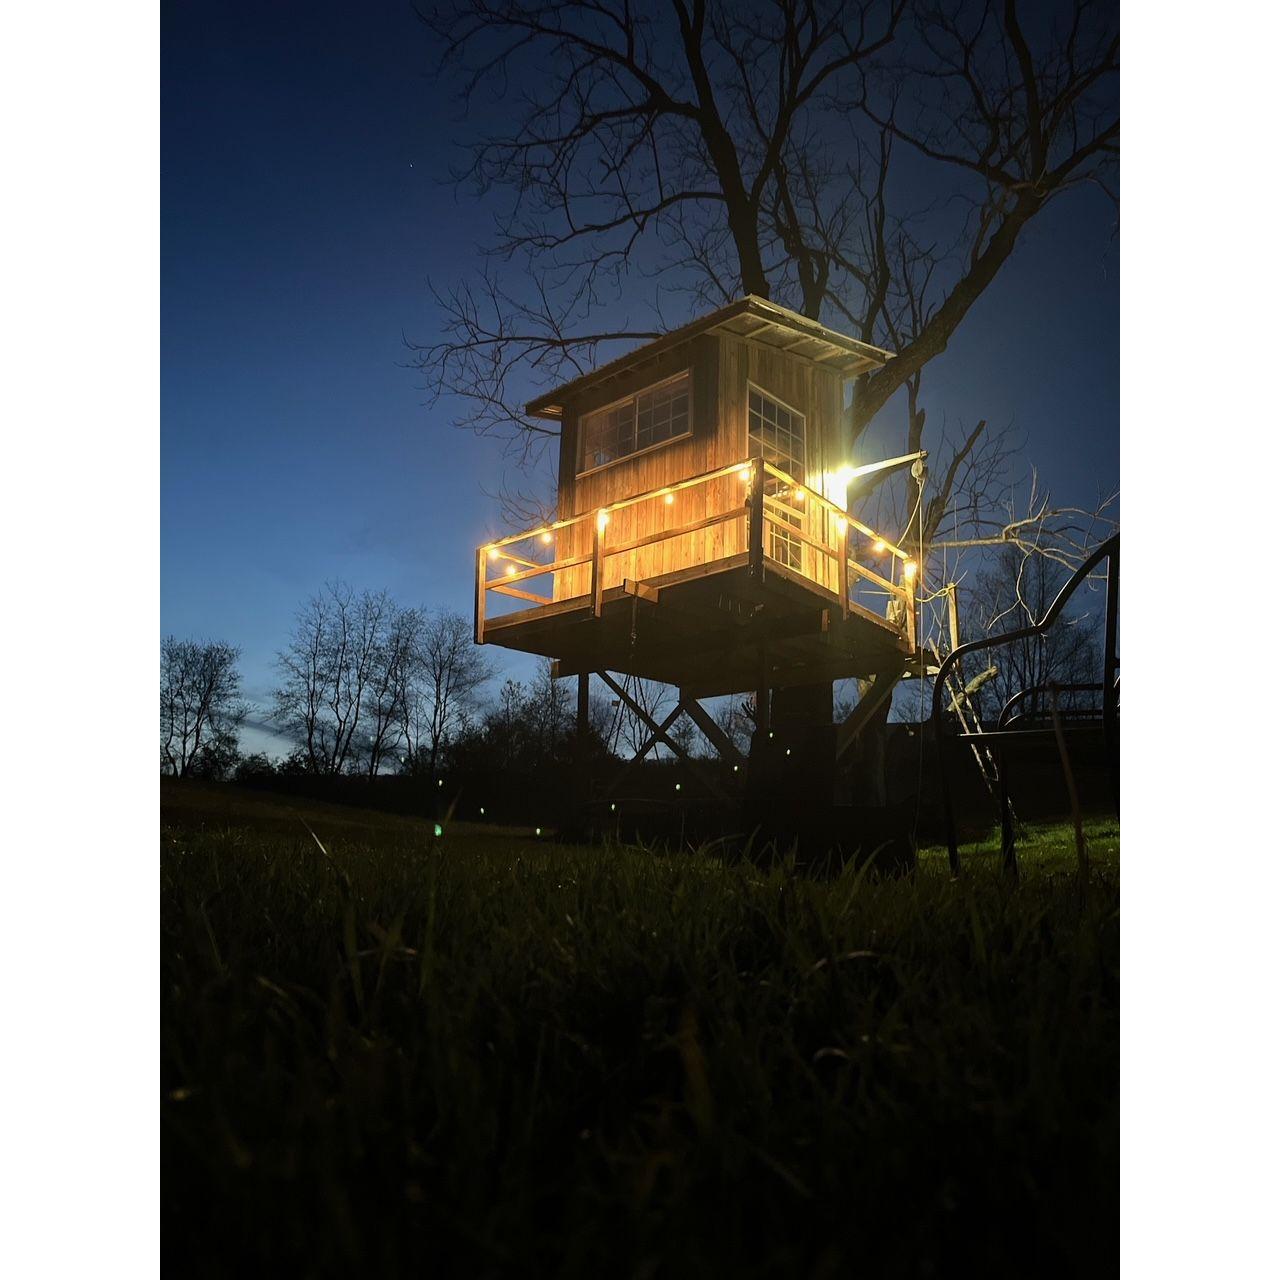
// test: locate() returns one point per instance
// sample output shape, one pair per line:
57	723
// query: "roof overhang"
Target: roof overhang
756	319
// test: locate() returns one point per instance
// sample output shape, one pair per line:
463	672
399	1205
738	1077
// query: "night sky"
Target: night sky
303	148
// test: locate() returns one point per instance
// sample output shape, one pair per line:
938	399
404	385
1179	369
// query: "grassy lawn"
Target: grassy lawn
490	1054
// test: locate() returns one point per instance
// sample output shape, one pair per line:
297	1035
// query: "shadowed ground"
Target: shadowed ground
489	1054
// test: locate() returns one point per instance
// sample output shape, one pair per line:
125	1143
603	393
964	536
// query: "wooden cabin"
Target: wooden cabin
704	535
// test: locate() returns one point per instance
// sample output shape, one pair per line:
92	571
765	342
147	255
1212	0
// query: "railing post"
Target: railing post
755	521
481	574
597	564
844	566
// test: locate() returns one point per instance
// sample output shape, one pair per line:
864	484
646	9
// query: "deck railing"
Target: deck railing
753	509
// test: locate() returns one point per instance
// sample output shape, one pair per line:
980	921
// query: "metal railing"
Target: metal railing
1108	687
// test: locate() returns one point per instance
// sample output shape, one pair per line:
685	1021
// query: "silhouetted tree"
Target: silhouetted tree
200	707
441	685
333	675
871	163
1016	591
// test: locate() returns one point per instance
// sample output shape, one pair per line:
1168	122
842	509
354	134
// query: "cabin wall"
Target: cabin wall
720	368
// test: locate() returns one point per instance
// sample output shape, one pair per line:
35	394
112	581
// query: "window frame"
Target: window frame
792	549
633	398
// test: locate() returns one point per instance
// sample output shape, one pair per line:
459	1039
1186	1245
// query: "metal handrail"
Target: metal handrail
1109	551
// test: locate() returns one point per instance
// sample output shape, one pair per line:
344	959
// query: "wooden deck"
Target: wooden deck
717	624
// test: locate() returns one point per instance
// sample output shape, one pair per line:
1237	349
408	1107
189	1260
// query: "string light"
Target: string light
744	471
677	786
878	546
909	569
669	499
799	495
537	831
482	811
493	553
546	537
511	571
439	831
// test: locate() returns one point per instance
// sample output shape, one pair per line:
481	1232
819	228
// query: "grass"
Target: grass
491	1055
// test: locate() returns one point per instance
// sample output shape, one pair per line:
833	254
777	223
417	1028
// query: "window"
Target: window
658	414
776	434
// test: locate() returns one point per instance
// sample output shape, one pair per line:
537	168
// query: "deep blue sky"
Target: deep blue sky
302	150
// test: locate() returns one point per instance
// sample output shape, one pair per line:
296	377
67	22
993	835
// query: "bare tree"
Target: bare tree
200	705
441	685
391	686
738	146
1015	591
329	673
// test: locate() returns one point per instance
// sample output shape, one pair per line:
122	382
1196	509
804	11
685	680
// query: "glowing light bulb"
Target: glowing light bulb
744	471
493	553
677	786
909	569
439	830
537	831
878	546
482	811
669	499
799	495
546	537
511	571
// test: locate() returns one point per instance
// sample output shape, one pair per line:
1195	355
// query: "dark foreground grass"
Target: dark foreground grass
488	1055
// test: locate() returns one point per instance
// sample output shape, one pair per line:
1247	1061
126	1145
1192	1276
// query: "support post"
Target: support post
481	574
1110	670
755	521
953	615
597	566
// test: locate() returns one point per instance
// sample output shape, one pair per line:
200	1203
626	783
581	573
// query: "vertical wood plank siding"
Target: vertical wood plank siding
720	367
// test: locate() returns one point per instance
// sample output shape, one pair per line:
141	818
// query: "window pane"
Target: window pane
648	419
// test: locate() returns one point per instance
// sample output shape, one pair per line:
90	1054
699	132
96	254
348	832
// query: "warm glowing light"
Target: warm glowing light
602	519
844	476
735	768
482	811
493	553
878	546
799	495
842	526
909	569
546	537
511	571
745	471
537	831
788	751
669	499
439	782
677	786
613	808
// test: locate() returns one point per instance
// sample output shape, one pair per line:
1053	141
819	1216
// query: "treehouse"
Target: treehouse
705	536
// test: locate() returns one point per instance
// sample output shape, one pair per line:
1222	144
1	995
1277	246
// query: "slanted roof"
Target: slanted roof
750	317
